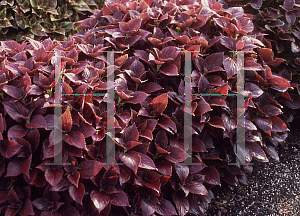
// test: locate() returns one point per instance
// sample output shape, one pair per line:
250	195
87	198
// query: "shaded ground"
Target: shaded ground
273	188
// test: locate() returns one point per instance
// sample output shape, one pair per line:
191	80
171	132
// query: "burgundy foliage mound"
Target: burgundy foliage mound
279	21
151	38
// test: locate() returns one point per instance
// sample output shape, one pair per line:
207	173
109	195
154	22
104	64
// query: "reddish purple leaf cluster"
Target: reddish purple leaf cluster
151	38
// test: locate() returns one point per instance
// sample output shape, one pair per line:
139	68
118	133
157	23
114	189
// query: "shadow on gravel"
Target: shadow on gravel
273	188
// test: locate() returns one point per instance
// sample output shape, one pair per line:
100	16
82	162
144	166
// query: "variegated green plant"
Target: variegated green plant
40	18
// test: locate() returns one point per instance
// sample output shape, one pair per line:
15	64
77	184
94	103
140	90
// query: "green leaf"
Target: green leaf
51	11
3	13
38	30
81	6
67	26
24	5
4	23
10	2
22	21
60	31
34	3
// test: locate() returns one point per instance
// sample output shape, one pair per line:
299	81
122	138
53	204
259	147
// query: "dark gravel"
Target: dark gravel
273	188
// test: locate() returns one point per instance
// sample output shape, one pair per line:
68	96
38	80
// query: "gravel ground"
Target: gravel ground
273	188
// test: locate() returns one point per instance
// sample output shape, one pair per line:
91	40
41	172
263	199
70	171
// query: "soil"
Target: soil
273	188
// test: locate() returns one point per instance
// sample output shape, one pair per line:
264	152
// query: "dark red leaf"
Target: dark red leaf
182	204
146	134
211	175
164	167
71	210
86	130
217	122
249	125
169	69
66	120
89	169
33	138
74	178
41	203
100	200
37	121
73	54
289	4
271	151
18	166
16	131
161	139
182	171
240	45
168	125
149	87
124	175
119	199
258	152
271	110
9	148
176	155
41	55
48	151
263	123
221	89
53	176
266	54
75	138
279	81
27	208
217	102
278	124
295	104
256	4
194	187
232	66
137	97
131	160
213	60
146	162
148	207
12	91
63	185
223	24
230	123
251	65
16	110
199	62
77	193
35	44
50	121
130	134
202	108
254	89
159	103
165	208
110	177
198	145
231	179
130	26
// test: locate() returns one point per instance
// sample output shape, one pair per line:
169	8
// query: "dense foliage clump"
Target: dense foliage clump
40	19
150	39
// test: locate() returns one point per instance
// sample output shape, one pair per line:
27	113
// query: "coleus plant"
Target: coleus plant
278	20
148	177
39	19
